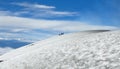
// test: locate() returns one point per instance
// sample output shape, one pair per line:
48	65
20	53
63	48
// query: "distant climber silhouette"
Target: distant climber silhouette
1	61
61	34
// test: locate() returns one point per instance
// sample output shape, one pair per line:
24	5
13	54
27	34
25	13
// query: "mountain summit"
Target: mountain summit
82	50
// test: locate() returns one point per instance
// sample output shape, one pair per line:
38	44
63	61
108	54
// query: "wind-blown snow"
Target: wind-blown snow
84	50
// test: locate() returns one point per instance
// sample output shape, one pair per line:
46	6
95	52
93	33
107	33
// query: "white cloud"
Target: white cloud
29	36
59	13
39	6
20	28
2	13
5	50
20	22
38	10
82	27
53	25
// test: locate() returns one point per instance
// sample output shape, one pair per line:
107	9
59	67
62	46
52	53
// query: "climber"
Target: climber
1	61
61	34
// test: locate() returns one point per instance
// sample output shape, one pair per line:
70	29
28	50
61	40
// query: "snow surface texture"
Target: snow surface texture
84	50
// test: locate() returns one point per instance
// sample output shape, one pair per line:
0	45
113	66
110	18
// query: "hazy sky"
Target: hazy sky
32	20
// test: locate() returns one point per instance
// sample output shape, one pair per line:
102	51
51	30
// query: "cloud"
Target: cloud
39	10
62	13
53	25
29	36
30	29
39	6
19	22
5	50
2	13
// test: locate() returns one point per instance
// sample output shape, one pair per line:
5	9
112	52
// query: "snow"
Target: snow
82	50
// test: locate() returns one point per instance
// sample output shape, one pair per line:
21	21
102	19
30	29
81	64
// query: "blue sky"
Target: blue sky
33	20
101	11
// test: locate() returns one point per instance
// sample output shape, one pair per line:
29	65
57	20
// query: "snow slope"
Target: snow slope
83	50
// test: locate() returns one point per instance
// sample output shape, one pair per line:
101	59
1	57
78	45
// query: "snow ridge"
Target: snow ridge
83	50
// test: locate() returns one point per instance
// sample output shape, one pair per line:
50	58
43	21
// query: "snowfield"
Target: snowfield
83	50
